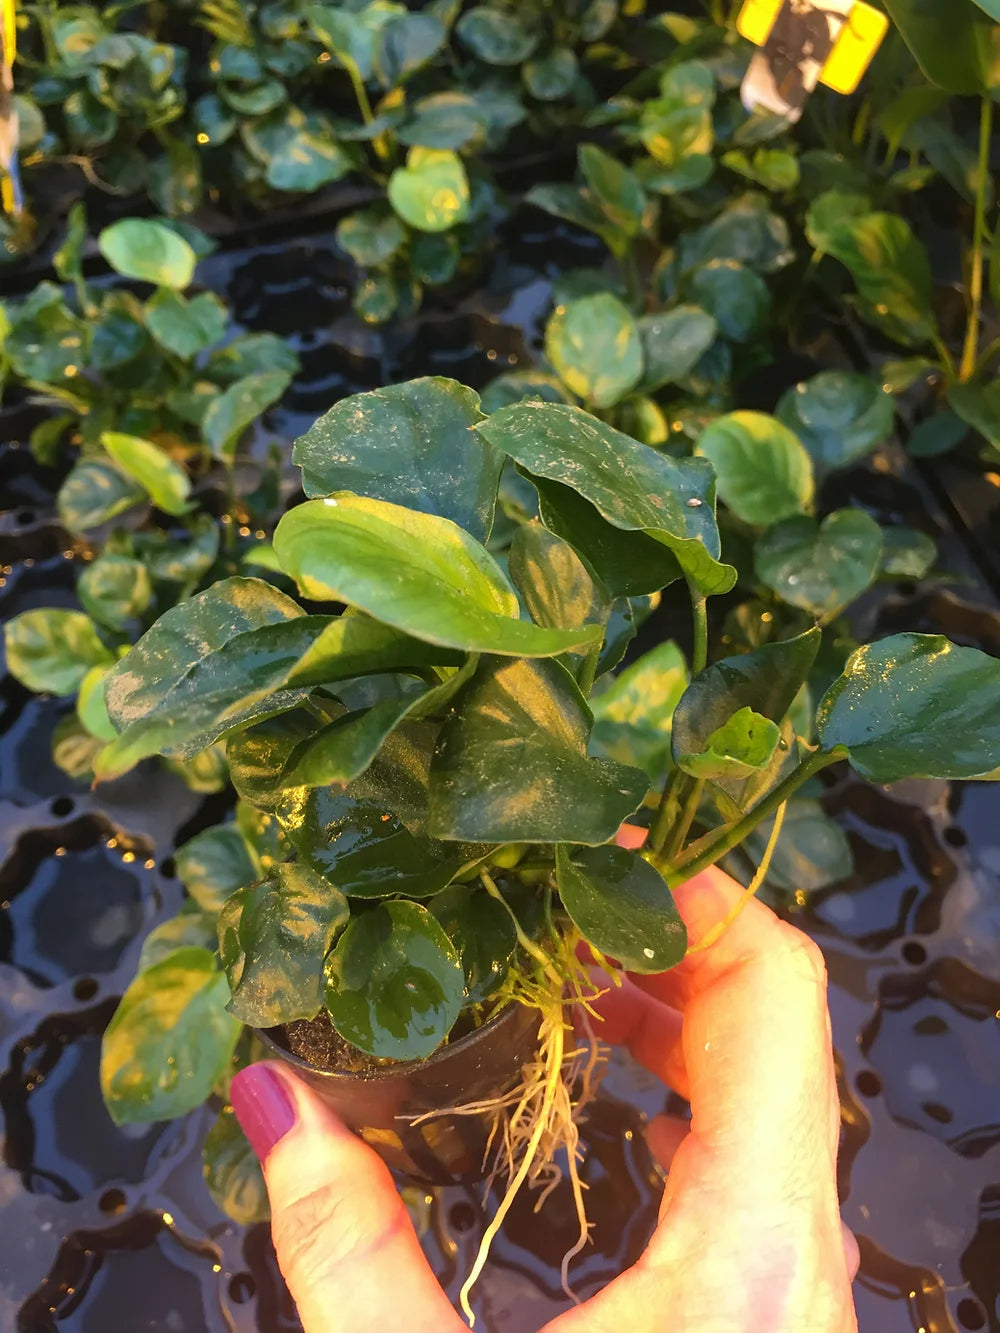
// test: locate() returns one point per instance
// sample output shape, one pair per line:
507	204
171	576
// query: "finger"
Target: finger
341	1232
852	1251
664	1135
651	1030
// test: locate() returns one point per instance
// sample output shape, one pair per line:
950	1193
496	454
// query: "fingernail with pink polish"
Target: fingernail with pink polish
263	1107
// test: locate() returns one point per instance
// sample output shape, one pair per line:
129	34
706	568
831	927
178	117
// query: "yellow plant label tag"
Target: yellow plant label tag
802	44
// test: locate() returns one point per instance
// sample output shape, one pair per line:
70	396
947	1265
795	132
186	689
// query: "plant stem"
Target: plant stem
971	347
752	889
699	653
667	811
682	827
588	668
733	834
527	944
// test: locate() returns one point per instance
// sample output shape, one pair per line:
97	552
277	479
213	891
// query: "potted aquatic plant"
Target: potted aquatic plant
428	833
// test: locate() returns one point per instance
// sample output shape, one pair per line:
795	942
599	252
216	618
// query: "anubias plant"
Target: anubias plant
447	835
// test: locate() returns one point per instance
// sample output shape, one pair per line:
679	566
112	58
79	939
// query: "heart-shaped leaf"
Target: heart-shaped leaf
166	484
215	863
821	567
511	763
149	252
370	237
500	37
50	651
94	493
417	572
622	906
906	554
838	415
186	327
411	444
297	149
404	44
734	295
273	939
741	747
232	411
394	982
595	347
482	931
431	192
114	589
764	474
915	706
634	487
673	343
169	1041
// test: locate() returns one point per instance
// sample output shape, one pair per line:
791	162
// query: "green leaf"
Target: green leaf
68	259
417	572
90	706
517	385
734	295
774	168
576	206
445	120
556	586
838	415
914	706
622	906
595	347
634	714
94	493
233	1173
214	864
434	257
431	192
979	407
482	931
552	76
673	343
186	327
820	567
764	474
937	434
297	149
957	45
742	746
45	341
511	763
763	682
230	413
500	37
273	939
370	236
50	651
191	928
166	484
888	264
813	851
114	589
906	554
169	1041
411	444
405	44
632	486
394	982
149	252
614	187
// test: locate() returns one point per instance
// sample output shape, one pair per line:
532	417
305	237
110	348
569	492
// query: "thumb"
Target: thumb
342	1234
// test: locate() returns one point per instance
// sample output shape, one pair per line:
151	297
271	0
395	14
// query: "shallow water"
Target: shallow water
104	1228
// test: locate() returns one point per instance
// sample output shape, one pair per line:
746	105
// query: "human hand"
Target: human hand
749	1238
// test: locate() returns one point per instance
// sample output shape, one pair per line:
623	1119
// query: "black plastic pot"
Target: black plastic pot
382	1105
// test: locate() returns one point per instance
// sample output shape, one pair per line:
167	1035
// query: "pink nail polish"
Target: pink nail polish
263	1107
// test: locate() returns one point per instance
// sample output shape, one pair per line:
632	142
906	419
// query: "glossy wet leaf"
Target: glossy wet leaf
634	714
235	409
839	415
114	589
164	481
482	931
673	344
169	1041
915	705
764	681
394	982
557	588
500	37
148	251
764	474
741	747
888	264
215	863
957	45
622	906
633	487
94	493
594	345
820	567
186	327
51	650
813	850
411	444
233	1173
511	763
273	939
906	553
190	928
431	192
417	572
